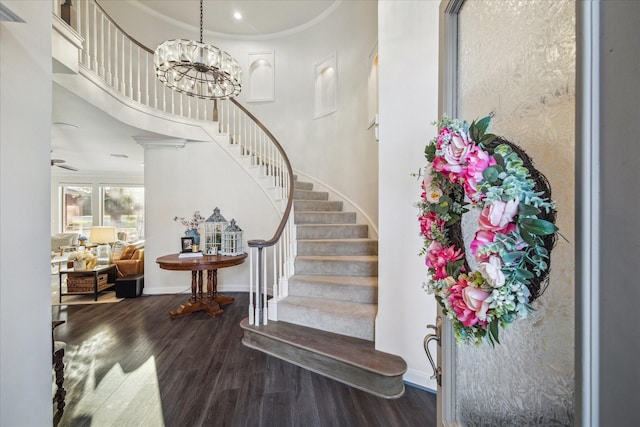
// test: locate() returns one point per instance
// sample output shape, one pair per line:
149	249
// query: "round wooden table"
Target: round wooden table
210	263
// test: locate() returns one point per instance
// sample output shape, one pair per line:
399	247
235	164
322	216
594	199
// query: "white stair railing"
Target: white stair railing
127	67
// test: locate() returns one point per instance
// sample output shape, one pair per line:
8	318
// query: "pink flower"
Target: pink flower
498	215
427	222
482	238
442	136
477	161
456	150
455	147
438	258
469	303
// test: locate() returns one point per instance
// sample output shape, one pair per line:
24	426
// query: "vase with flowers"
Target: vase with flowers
82	260
192	225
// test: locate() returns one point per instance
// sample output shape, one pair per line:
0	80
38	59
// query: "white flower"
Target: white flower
492	272
433	194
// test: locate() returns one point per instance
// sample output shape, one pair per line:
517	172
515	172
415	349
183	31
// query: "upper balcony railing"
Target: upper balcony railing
127	66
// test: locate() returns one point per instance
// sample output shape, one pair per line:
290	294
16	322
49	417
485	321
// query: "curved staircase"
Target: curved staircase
326	323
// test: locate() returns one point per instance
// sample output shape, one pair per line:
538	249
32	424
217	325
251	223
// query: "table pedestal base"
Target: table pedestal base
209	303
211	308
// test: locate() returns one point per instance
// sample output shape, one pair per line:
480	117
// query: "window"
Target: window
76	209
86	205
123	208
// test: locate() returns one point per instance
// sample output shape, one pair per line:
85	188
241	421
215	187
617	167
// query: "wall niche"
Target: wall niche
326	87
261	77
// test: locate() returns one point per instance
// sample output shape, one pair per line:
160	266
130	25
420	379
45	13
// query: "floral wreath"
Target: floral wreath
516	228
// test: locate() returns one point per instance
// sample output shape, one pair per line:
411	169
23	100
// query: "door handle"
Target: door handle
437	370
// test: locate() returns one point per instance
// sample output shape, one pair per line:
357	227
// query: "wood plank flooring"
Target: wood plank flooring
130	364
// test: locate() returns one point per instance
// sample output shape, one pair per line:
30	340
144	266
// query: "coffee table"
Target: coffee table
110	270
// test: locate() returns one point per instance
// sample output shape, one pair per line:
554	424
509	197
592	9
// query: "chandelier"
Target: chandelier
197	69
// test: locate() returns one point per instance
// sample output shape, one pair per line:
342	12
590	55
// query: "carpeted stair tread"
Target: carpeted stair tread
360	265
311	217
329	231
340	317
360	289
310	195
353	246
317	205
301	185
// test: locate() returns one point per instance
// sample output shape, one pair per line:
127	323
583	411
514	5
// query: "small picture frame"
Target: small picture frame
186	244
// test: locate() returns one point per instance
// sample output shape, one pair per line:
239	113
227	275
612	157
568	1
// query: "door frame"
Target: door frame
447	96
587	253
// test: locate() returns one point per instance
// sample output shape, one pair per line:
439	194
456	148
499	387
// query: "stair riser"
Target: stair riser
336	268
325	217
329	291
383	386
317	205
342	247
351	326
332	231
310	195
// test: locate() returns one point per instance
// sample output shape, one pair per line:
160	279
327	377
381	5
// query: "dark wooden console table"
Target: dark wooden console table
210	263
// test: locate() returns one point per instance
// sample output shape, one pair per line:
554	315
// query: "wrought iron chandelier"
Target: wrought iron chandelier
198	69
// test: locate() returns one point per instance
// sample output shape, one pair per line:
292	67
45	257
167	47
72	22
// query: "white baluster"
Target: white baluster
108	75
139	98
94	64
123	84
251	308
130	69
101	71
265	309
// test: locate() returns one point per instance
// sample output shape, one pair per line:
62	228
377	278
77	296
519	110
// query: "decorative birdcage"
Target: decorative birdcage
232	240
214	228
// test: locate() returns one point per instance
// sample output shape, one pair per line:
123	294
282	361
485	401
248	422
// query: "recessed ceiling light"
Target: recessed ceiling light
237	15
120	156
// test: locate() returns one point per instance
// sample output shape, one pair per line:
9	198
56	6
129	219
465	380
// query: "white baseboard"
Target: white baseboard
227	287
420	379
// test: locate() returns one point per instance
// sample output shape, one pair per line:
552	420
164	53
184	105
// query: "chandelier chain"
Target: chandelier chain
201	21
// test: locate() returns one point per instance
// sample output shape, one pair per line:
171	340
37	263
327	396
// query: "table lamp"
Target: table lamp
103	236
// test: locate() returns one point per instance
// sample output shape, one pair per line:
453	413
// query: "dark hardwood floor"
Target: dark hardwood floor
129	364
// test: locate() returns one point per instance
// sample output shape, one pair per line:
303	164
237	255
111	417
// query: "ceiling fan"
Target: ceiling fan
59	163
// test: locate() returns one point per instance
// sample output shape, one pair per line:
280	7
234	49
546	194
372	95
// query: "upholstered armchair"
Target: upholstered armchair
131	260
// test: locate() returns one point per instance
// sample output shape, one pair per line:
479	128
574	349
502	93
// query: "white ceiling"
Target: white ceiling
259	17
85	137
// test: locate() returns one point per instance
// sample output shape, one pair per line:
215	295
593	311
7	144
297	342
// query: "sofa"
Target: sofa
63	239
129	258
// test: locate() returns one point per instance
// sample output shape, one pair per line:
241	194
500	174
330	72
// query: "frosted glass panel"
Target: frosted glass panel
517	59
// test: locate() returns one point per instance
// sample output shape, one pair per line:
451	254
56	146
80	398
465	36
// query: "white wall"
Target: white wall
201	176
408	73
338	150
25	291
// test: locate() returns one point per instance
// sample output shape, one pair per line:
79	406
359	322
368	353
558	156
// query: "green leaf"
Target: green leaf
523	274
536	226
527	210
490	174
499	159
430	152
494	331
510	257
528	238
483	124
487	138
